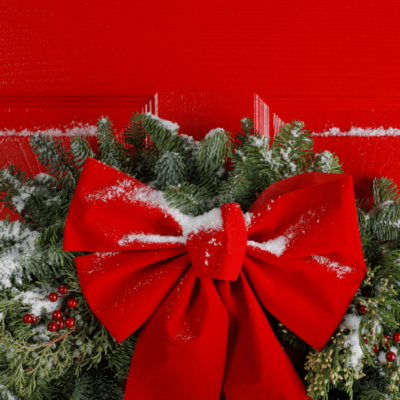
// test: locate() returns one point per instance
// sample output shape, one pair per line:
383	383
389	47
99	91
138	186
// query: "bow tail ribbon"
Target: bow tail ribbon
181	350
256	365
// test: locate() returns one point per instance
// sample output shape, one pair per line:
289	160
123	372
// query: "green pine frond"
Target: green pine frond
384	190
81	150
214	150
170	170
55	157
112	152
189	198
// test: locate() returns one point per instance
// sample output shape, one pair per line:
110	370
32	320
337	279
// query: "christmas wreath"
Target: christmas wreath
195	250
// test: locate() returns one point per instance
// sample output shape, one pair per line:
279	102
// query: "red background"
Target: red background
329	63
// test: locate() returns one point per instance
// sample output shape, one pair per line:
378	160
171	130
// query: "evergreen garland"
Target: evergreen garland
85	362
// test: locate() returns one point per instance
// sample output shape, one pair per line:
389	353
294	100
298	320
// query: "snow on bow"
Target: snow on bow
195	283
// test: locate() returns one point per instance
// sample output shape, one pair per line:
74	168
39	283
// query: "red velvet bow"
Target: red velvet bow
197	283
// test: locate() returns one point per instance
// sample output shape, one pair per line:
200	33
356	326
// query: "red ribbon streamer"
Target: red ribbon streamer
196	284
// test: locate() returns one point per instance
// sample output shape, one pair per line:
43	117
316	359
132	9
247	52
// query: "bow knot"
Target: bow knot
219	253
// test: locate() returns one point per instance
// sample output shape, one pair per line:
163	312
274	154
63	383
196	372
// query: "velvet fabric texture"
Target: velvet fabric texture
196	283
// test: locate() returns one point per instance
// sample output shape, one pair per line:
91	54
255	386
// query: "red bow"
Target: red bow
197	283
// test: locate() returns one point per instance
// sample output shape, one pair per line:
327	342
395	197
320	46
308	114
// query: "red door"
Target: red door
205	65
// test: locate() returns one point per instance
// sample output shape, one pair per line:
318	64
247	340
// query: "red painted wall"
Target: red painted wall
129	48
332	62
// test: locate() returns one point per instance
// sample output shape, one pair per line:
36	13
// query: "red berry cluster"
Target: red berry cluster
390	355
58	317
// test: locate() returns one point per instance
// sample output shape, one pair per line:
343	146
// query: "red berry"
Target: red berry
53	296
56	315
386	340
377	349
62	289
390	356
396	337
69	322
365	338
52	327
34	320
72	303
60	324
27	318
362	309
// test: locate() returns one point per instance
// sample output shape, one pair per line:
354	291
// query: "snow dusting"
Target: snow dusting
213	132
171	126
247	219
280	244
75	128
6	394
276	246
325	161
38	299
146	238
361	132
97	262
16	243
382	354
339	269
352	321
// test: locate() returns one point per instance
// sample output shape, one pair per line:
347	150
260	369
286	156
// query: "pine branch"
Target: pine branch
170	170
385	190
290	152
214	150
165	136
189	198
136	139
326	162
112	152
80	150
52	154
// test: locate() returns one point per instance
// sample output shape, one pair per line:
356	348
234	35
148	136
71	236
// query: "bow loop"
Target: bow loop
219	253
111	211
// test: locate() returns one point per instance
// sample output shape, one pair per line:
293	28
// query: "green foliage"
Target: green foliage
54	156
112	152
214	150
85	362
327	162
290	153
188	198
170	170
81	150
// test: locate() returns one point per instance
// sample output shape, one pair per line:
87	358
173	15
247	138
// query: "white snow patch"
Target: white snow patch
43	177
146	238
6	394
360	132
352	321
75	128
247	219
39	301
325	160
339	269
279	245
275	246
213	132
171	126
11	259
